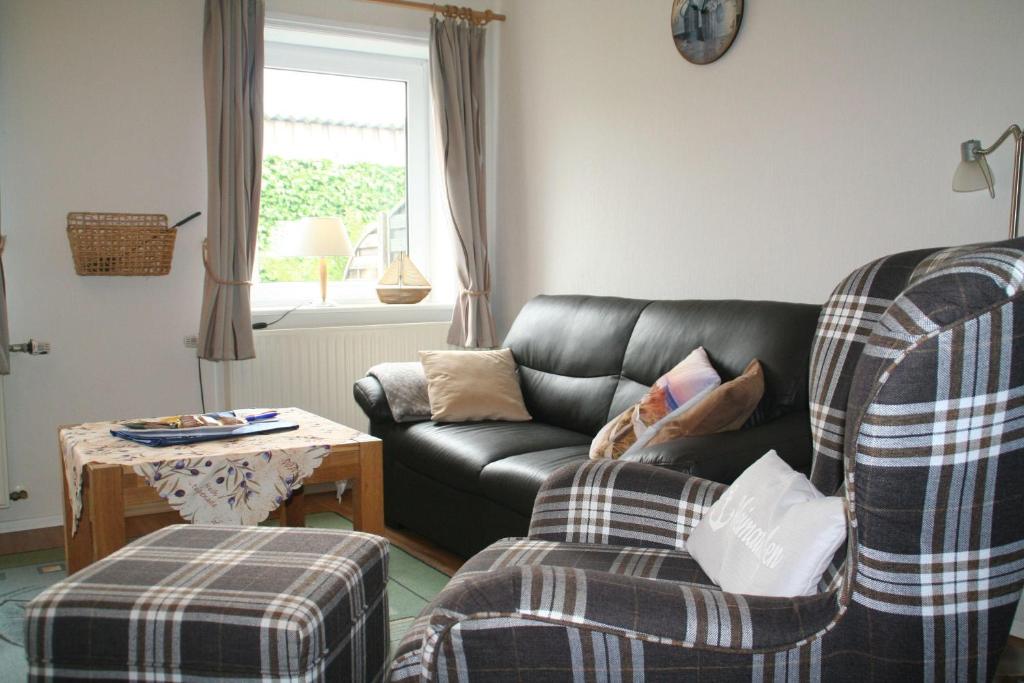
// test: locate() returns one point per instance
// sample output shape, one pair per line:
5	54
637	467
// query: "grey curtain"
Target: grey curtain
5	339
233	81
457	83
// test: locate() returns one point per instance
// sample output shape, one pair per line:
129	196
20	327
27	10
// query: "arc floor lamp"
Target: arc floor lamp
973	173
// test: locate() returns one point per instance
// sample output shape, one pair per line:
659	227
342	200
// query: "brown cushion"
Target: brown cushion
465	386
725	409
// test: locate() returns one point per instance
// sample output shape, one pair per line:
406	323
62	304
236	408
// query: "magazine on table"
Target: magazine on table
186	429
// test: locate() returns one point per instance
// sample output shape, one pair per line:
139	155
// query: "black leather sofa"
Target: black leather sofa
583	360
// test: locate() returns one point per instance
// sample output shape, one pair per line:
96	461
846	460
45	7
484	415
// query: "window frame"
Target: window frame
412	68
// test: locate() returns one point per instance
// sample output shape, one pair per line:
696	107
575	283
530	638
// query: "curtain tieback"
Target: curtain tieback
476	292
214	276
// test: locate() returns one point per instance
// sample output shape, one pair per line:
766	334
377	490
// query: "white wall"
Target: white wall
826	136
102	110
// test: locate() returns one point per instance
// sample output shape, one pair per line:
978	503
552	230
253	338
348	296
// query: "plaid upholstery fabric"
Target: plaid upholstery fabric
206	602
847	320
603	502
854	311
647	563
497	606
927	419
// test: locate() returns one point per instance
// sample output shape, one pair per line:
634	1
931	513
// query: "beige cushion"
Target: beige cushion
467	386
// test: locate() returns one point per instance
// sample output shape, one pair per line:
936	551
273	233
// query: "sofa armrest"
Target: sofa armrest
723	457
369	394
621	503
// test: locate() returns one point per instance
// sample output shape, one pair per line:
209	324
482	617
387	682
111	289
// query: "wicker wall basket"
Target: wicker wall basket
121	243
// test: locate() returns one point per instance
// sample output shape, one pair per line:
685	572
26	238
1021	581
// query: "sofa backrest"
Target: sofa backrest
732	333
569	350
585	359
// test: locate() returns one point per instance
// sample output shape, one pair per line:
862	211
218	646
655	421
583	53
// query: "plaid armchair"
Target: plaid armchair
917	391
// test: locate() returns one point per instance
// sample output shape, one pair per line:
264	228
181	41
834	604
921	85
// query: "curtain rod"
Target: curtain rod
471	15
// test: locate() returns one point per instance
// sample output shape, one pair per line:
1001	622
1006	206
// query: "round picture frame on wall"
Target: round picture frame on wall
703	30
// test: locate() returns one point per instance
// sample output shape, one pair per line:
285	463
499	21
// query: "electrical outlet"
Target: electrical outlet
32	347
191	341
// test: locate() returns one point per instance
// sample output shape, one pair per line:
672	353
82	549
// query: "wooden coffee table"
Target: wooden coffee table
113	494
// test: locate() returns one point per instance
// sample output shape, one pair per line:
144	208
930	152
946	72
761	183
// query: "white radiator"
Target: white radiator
315	368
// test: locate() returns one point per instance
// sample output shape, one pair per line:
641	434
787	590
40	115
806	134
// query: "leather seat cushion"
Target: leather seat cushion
663	564
456	453
514	481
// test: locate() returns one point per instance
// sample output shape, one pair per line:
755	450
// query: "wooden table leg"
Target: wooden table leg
77	547
368	490
104	503
293	510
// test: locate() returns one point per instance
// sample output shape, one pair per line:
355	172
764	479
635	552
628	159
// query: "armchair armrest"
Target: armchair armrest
621	503
369	394
525	622
723	457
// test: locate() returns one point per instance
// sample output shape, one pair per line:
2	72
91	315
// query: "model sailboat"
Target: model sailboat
402	283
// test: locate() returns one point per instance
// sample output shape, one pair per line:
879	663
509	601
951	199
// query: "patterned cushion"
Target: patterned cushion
725	409
675	392
196	601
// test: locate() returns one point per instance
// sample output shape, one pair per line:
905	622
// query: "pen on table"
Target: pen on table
262	416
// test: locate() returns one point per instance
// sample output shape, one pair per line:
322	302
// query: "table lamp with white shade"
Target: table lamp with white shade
320	237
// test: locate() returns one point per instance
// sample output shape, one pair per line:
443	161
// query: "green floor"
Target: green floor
412	584
24	575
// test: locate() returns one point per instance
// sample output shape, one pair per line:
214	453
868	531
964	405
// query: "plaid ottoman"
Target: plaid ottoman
206	602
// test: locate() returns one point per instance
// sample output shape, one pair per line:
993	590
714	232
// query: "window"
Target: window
345	135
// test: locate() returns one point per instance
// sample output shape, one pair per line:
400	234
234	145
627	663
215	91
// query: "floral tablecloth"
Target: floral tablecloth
233	481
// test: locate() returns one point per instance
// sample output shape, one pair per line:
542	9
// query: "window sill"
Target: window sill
349	315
